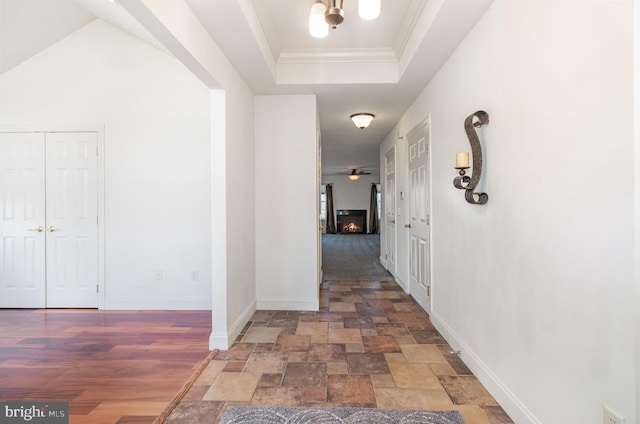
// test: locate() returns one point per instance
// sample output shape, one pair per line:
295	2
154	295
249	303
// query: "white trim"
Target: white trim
513	406
291	304
258	16
369	55
402	283
157	305
225	340
219	341
102	254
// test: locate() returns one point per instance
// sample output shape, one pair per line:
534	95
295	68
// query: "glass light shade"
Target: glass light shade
362	120
318	28
368	9
354	177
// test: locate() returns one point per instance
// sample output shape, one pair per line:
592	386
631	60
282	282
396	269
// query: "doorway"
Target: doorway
419	206
48	220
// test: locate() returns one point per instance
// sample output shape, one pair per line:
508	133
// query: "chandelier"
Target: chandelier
321	16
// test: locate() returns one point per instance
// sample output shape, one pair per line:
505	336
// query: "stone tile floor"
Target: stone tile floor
370	345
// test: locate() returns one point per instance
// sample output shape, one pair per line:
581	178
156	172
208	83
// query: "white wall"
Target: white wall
231	161
636	55
287	190
536	288
157	173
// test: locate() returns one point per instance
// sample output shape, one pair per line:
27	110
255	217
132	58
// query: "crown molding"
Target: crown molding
373	55
270	34
414	12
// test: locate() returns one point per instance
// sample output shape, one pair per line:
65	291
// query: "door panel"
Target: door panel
71	212
419	231
390	210
22	221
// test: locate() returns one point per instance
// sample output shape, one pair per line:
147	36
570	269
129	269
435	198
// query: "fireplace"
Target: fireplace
351	221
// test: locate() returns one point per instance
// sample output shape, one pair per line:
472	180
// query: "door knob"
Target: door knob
38	229
51	228
407	225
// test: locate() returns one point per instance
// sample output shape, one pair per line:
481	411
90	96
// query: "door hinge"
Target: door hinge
428	291
427	219
97	217
96	150
97	288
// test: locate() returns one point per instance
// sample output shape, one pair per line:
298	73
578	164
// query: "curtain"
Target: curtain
331	219
373	211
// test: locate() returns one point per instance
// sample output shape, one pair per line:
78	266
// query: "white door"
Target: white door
22	245
49	246
418	226
318	204
390	210
72	226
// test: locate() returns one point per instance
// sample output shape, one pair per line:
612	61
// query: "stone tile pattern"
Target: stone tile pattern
370	346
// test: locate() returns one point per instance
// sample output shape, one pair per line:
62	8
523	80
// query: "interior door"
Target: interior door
22	244
48	227
71	220
318	203
418	226
390	210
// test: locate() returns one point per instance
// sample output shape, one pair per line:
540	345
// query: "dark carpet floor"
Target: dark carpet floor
352	257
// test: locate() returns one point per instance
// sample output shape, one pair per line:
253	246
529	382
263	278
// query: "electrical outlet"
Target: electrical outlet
158	275
194	275
611	417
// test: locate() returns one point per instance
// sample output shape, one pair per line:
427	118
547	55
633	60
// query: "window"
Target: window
379	200
323	202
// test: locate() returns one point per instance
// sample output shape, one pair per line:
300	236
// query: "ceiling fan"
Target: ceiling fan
355	174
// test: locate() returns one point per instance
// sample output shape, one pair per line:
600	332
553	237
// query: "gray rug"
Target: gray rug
352	257
273	415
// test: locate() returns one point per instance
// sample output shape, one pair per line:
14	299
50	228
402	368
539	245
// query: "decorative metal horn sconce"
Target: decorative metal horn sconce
462	181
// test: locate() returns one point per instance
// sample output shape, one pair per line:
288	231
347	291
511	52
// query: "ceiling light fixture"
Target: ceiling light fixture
321	15
354	177
362	120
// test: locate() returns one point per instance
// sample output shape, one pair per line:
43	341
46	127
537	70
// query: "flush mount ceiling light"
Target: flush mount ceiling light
362	120
321	15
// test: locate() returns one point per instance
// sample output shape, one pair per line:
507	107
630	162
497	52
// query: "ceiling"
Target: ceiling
377	66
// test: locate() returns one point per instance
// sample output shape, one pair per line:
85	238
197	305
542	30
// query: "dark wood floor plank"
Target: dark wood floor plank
112	366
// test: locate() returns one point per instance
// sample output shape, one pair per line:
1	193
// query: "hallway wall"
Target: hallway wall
287	193
536	288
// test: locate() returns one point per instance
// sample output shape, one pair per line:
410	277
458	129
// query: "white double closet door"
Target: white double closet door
48	222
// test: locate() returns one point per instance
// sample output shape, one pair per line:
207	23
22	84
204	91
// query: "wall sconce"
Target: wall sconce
462	181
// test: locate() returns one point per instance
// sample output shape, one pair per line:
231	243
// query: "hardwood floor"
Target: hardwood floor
111	366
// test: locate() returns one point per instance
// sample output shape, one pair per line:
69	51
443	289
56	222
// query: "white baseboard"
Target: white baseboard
219	341
224	341
157	305
517	410
293	304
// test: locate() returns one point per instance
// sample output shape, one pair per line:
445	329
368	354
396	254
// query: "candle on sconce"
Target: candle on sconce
462	160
